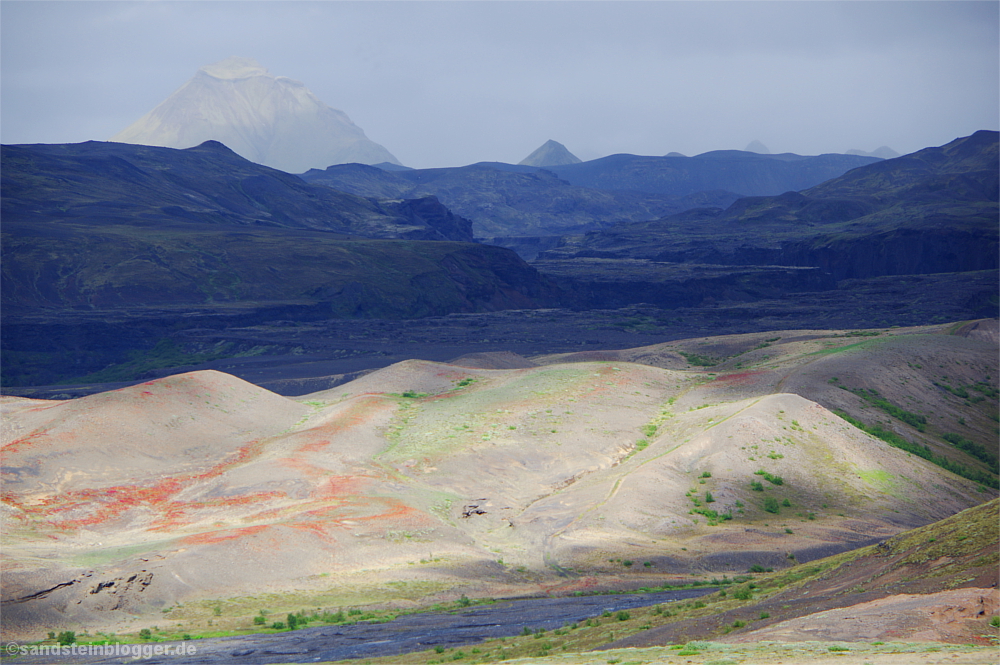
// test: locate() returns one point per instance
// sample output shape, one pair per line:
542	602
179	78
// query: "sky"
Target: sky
452	83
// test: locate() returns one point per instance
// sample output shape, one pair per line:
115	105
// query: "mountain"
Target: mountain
757	147
551	153
118	226
933	211
745	173
506	200
885	152
267	119
116	183
424	481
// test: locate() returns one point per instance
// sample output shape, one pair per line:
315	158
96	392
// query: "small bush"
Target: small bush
68	637
756	486
709	498
771	505
278	625
739	624
623	616
743	593
259	620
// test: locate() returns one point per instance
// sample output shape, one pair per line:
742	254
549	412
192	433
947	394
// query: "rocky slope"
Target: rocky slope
267	119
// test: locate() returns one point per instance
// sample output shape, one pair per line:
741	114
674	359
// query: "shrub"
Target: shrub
743	593
623	616
706	474
771	505
709	498
144	634
774	480
278	625
756	486
68	637
739	624
259	620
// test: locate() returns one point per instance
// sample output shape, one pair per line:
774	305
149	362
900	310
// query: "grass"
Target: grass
893	439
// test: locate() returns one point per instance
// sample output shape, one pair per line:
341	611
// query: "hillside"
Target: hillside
106	184
114	226
929	212
426	480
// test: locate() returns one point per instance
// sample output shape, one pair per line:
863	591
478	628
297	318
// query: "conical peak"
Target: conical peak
234	68
551	153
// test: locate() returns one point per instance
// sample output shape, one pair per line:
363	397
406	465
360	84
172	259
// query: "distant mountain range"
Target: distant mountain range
267	119
739	171
932	211
507	200
885	152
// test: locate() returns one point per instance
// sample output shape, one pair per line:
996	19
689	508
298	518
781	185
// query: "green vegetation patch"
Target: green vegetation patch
896	441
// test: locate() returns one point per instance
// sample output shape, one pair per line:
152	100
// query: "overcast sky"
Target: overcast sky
451	83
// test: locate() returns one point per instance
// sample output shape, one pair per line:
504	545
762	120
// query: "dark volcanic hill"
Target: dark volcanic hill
104	225
510	201
932	211
119	183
